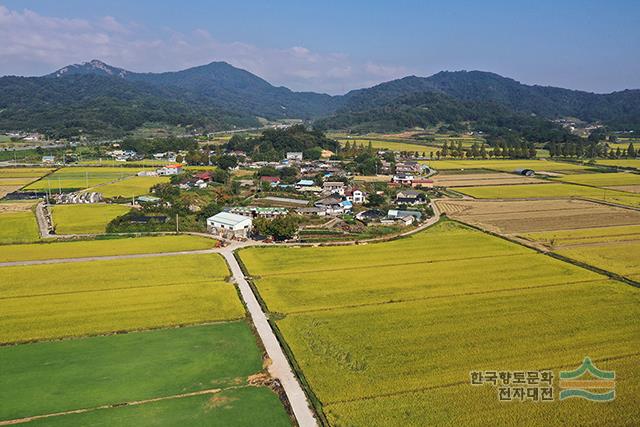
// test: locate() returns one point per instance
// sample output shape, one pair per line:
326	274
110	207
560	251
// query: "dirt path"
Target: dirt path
106	257
132	403
43	219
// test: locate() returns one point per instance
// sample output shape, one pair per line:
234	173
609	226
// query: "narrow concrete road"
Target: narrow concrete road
279	367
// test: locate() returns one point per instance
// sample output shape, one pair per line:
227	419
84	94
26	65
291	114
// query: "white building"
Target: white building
294	155
230	225
356	196
170	170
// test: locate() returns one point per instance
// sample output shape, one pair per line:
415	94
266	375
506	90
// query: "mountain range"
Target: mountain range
98	99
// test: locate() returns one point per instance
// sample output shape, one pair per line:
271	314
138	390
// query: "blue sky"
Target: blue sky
334	46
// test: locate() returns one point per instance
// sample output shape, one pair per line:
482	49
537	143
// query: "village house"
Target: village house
333	205
206	176
404	217
402	179
229	225
410	197
355	196
174	169
408	167
305	183
271	180
333	187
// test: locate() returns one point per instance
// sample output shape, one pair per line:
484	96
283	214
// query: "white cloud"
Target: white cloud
34	44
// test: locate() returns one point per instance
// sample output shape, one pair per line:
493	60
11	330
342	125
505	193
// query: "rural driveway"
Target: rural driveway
279	367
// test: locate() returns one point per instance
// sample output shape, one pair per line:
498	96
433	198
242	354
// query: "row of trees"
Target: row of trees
590	150
501	149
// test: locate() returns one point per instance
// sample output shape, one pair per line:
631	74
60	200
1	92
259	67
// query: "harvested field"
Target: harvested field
87	298
377	329
12	179
526	216
481	179
372	178
554	190
16	206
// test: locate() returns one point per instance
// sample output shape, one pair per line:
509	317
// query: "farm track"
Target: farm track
280	367
107	257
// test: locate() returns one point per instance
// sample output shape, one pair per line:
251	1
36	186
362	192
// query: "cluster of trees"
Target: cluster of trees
273	144
288	175
280	228
148	146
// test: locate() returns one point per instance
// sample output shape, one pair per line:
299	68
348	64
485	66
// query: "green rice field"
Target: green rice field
85	219
387	334
53	377
130	187
235	407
